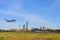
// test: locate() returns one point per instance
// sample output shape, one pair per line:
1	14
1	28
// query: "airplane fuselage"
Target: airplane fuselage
10	20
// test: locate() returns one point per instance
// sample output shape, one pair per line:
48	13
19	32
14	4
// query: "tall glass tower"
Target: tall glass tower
24	27
27	25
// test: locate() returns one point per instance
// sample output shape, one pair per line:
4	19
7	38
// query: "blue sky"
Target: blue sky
37	12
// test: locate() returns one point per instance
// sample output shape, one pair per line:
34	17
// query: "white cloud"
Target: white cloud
26	16
15	9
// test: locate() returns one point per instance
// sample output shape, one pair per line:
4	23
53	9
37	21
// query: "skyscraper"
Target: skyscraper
24	27
27	25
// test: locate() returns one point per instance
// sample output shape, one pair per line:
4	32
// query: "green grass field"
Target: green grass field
28	36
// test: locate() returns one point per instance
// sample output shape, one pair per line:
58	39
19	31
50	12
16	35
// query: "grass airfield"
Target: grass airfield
28	36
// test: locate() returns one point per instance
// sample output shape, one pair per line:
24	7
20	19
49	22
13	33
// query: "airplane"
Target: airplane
13	20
